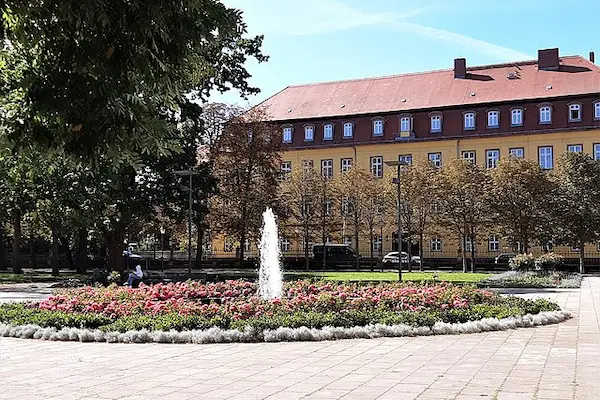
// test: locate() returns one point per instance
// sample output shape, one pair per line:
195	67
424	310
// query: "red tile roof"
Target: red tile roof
434	89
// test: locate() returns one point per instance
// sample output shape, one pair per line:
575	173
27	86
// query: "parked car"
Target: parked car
504	258
335	254
392	258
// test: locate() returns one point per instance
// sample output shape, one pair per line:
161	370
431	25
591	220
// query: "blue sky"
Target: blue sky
323	40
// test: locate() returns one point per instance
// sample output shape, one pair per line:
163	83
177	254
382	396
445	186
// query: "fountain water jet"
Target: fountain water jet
270	279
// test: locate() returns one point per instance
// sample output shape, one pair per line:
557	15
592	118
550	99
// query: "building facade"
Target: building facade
535	109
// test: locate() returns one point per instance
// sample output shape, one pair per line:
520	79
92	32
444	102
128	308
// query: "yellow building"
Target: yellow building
535	109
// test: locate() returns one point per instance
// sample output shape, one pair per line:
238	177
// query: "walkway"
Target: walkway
553	362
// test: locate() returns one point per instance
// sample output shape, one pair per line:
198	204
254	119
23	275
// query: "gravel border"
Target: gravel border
218	335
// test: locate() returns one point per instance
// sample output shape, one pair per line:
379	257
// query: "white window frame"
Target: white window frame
346	164
328	207
548	246
407	158
545	115
348	130
514	152
377	166
285	245
247	245
435	244
435	123
493	243
596	151
308	164
378	127
575	148
435	159
491	158
348	240
469	155
575	107
327	168
286	167
309	133
597	109
288	132
469	121
493	119
546	157
469	245
328	132
377	243
405	124
516	117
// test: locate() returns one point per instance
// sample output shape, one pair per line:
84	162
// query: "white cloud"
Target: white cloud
315	17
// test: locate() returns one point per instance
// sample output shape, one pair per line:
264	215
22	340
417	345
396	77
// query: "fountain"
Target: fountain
270	280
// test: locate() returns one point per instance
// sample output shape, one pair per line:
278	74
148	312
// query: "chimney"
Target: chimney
548	59
592	57
460	68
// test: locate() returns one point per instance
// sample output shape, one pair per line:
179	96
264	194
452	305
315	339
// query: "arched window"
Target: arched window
378	127
574	112
348	129
545	115
469	120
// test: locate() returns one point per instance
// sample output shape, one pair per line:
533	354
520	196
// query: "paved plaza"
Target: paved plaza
553	362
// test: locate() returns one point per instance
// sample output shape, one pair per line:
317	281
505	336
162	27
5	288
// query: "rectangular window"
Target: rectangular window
545	157
286	167
308	164
309	133
377	243
348	129
285	245
548	246
377	166
327	168
468	244
328	132
405	124
436	244
545	115
516	117
328	207
491	158
247	245
435	159
575	148
378	127
407	158
469	155
575	113
346	206
346	164
228	245
469	120
494	243
517	152
436	123
597	151
287	135
348	240
493	119
597	110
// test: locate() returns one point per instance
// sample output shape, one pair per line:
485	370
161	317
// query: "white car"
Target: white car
392	258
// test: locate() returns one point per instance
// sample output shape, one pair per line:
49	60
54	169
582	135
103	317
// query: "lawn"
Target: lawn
454	277
6	277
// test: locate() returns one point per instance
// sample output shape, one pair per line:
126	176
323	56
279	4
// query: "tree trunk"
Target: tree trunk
306	260
473	242
356	243
16	256
372	252
2	248
32	258
54	257
421	252
65	240
409	252
582	257
242	243
199	243
82	244
115	250
464	252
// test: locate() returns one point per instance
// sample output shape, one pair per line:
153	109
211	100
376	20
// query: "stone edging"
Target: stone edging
218	335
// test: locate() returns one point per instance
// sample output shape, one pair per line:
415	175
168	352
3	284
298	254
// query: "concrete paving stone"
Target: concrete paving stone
515	396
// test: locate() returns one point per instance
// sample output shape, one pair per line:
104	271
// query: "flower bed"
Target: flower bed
234	306
514	279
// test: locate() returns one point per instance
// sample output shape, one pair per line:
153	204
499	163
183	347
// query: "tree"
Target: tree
247	165
96	78
461	186
417	192
521	198
300	197
577	177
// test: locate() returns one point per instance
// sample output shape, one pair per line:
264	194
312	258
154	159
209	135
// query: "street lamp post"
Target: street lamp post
162	249
190	174
399	165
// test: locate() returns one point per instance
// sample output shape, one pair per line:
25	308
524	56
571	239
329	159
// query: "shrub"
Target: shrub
548	261
114	277
522	262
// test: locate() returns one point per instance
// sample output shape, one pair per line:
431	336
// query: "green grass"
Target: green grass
6	277
454	277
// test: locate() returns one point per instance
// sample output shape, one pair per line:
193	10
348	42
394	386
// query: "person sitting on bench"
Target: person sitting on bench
134	277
